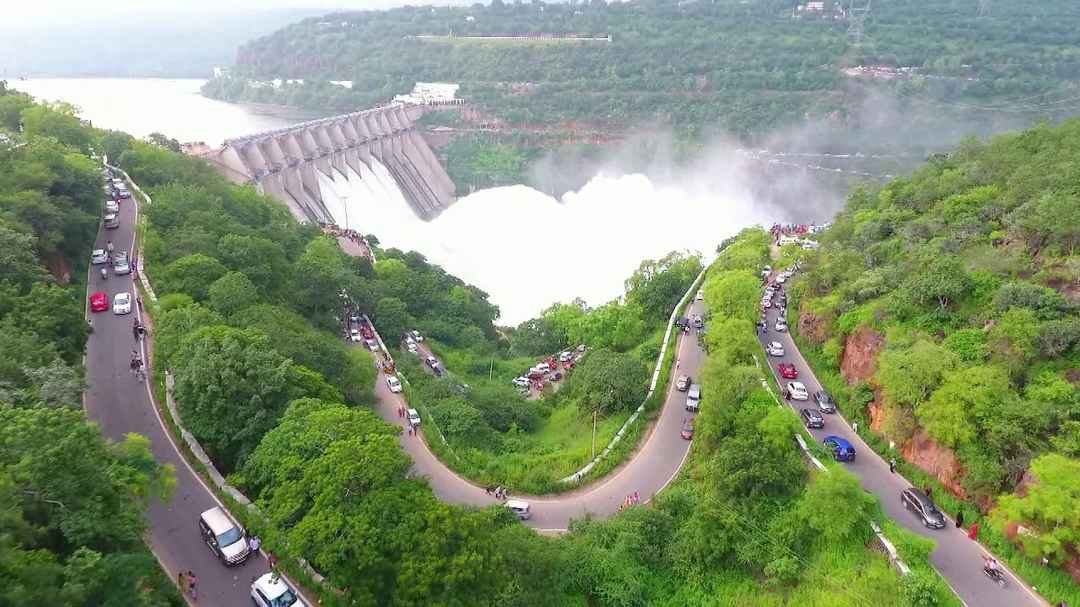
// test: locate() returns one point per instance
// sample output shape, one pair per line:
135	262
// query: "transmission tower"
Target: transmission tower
984	8
858	11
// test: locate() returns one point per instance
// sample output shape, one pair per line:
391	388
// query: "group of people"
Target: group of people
188	583
137	366
631	500
791	229
498	491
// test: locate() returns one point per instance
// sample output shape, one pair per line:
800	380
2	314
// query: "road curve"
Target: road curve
120	404
648	471
957	558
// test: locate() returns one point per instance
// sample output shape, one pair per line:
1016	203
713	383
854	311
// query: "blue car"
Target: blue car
842	450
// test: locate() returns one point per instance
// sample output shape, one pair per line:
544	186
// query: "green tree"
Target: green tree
1047	509
392	318
608	381
966	396
232	293
733	294
837	487
58	120
193	275
537	337
658	284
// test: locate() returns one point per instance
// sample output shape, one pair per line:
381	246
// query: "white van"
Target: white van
520	508
693	398
414	417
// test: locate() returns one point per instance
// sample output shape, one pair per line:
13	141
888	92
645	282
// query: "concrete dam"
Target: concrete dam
283	163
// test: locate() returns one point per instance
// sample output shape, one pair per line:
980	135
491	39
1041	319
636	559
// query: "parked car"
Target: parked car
123	193
111	206
270	590
774	349
842	450
416	335
121	303
797	391
224	537
683	383
520	508
812	418
788	371
521	382
700	295
121	266
693	398
699	322
431	361
542	368
566	357
687	431
372	345
918	502
412	348
354	336
781	324
781	279
99	302
111	221
766	303
825	402
394	383
414	417
98	257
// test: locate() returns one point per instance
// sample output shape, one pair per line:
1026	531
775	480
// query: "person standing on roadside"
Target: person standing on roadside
959	519
193	585
254	543
181	582
892	465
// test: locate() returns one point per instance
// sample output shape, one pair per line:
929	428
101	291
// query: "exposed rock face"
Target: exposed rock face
934	459
861	350
876	410
812	328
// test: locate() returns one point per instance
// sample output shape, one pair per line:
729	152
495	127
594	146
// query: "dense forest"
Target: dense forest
947	306
72	501
698	67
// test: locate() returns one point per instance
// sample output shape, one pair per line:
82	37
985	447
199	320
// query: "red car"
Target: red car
99	302
788	371
687	429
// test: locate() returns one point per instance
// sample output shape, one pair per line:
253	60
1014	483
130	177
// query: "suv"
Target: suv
919	503
842	450
683	383
796	390
812	418
270	591
825	402
693	398
774	349
225	539
112	221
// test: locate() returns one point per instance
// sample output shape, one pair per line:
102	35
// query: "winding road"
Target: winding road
649	469
957	558
120	404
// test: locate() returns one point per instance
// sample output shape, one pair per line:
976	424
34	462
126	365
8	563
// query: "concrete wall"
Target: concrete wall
283	163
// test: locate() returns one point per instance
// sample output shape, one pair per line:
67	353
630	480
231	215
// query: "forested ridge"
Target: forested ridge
71	501
945	308
740	67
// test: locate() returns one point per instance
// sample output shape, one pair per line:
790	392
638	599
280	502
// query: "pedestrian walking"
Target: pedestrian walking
929	491
636	497
973	532
959	519
855	427
193	585
676	363
892	465
254	543
181	582
272	560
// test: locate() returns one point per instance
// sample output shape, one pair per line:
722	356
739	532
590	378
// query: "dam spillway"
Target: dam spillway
284	163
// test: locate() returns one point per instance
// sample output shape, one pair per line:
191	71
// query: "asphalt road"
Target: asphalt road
647	472
120	403
958	558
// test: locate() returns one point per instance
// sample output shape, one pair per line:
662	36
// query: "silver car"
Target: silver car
98	257
121	265
774	348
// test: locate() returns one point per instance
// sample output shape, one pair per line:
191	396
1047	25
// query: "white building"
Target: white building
431	93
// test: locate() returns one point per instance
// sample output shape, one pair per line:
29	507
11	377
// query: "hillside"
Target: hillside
947	305
743	68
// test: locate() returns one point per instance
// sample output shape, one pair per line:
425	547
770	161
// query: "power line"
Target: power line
857	14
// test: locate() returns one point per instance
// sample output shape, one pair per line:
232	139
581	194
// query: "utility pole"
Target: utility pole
593	434
858	11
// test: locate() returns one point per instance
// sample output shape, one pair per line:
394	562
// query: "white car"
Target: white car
541	368
566	357
412	348
416	335
121	265
780	326
414	417
781	279
372	345
797	391
121	303
774	348
700	295
766	303
271	591
98	257
111	206
521	382
394	383
354	335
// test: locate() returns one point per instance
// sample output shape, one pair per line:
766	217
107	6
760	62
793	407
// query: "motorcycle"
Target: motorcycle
104	274
996	575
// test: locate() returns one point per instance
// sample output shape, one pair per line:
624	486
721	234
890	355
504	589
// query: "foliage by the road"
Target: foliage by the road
968	271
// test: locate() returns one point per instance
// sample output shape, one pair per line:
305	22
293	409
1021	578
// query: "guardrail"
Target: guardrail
577	476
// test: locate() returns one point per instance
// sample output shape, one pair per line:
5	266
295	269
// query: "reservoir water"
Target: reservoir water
525	248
